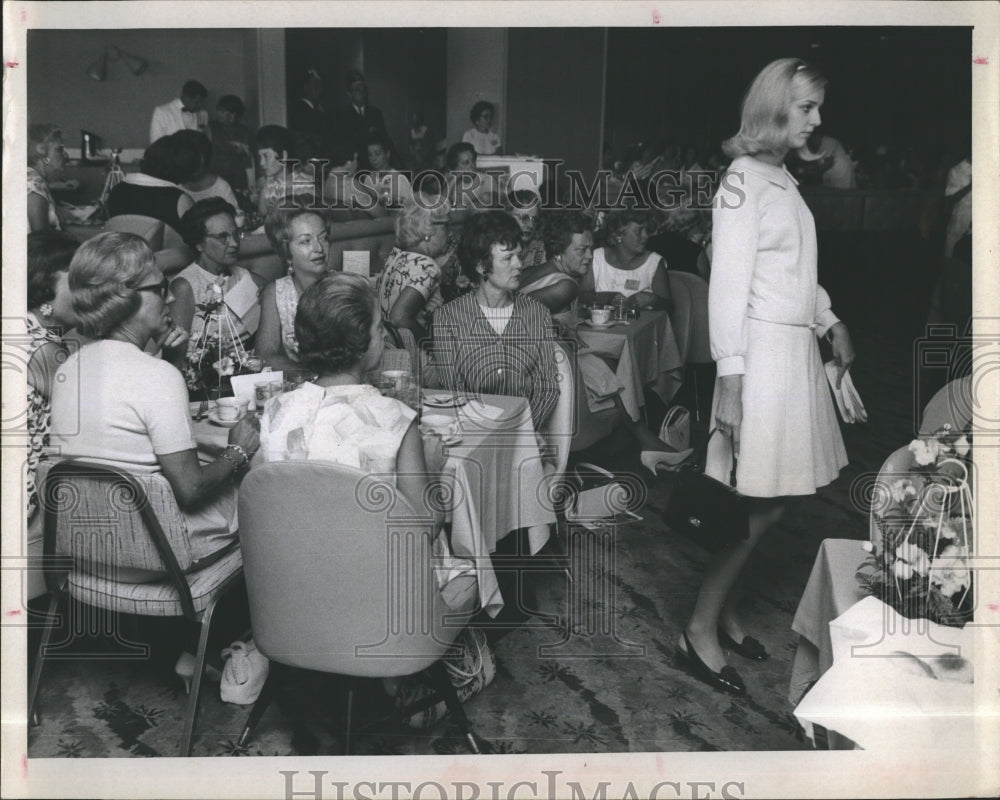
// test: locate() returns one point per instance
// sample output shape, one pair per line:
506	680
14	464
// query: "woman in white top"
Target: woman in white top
337	417
205	183
300	237
209	228
486	142
116	404
46	161
766	310
626	268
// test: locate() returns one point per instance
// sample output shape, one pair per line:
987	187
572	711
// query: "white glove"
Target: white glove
846	397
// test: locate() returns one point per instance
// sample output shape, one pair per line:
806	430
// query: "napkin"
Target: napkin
847	398
477	410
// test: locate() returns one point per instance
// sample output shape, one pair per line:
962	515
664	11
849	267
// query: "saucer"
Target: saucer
213	417
607	324
452	439
444	401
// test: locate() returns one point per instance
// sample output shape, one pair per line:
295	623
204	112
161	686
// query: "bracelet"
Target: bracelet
231	460
239	450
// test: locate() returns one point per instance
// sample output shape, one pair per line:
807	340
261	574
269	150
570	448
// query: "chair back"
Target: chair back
952	404
339	572
680	317
559	428
151	229
105	519
698	348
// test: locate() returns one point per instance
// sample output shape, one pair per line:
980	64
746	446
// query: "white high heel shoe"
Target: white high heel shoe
659	459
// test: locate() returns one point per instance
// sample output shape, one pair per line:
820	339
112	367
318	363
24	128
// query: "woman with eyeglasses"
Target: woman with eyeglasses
209	228
115	403
46	161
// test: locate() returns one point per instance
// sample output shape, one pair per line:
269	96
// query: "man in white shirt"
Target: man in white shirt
185	112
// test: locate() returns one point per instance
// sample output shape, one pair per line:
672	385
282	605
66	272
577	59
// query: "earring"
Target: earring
290	270
45	309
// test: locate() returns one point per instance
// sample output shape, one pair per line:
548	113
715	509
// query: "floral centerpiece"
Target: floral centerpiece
920	566
218	352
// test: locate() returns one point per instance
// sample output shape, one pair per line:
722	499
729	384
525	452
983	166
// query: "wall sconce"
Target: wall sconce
99	69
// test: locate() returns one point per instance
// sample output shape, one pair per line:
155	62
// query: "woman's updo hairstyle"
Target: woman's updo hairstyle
559	227
333	322
278	224
764	114
616	221
102	278
193	223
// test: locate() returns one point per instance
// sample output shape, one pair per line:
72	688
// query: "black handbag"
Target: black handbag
704	509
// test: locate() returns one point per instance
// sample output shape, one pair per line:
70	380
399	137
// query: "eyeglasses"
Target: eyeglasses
162	288
223	238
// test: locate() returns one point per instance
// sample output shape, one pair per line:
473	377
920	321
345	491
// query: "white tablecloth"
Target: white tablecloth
876	693
496	471
647	353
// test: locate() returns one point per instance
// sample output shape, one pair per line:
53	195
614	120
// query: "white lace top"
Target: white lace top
287	298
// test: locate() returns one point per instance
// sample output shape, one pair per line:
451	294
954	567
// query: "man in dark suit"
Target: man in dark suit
308	120
356	122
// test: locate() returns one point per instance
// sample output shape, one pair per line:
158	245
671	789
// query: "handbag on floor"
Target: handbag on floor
471	669
676	428
704	509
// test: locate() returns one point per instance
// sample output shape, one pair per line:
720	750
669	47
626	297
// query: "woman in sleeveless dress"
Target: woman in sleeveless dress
766	311
300	237
625	267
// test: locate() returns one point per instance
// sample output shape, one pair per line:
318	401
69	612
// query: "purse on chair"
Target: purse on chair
706	510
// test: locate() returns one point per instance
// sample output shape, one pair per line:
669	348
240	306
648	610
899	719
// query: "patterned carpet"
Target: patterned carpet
596	693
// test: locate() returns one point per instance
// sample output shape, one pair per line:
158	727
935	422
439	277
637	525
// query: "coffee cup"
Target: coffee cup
441	424
600	316
230	409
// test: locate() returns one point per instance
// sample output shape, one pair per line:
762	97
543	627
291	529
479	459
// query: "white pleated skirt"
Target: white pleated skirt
790	442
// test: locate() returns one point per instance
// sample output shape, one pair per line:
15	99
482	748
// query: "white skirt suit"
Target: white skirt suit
765	312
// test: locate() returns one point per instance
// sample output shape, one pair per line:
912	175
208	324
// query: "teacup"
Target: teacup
230	409
441	424
600	316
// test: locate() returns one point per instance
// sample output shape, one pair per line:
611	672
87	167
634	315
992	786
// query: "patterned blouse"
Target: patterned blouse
286	296
37	185
403	270
39	410
532	252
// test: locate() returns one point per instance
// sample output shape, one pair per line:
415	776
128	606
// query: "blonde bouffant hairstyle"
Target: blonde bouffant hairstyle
103	276
764	116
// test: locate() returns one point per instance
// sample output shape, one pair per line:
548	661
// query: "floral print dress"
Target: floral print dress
410	270
39	410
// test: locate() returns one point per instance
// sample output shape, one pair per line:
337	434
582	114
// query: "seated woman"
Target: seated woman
50	315
554	284
525	206
205	183
493	339
142	423
467	187
409	285
337	417
625	267
486	141
343	193
209	228
273	145
154	191
392	186
300	237
46	161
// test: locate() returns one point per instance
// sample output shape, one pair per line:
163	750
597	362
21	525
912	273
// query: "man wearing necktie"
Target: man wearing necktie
356	122
186	112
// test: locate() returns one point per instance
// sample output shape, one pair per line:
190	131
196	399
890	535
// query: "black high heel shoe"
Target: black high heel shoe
748	648
727	679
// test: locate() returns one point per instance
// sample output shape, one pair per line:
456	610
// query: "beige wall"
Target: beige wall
476	70
119	109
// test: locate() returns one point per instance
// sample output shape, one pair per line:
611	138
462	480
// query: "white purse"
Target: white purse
676	428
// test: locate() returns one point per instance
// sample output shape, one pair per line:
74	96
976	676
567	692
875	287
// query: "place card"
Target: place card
358	262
